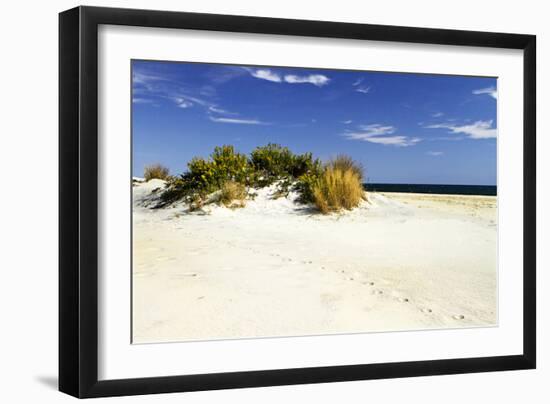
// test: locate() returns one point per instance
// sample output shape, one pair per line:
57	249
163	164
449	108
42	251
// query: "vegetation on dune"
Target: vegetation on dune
337	189
233	194
346	163
205	176
228	175
274	162
155	171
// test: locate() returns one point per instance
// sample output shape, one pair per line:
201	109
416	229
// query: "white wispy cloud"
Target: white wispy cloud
476	130
139	100
381	134
183	102
223	74
139	77
193	100
347	122
318	80
492	91
434	153
437	114
400	141
146	84
221	111
237	121
363	89
266	74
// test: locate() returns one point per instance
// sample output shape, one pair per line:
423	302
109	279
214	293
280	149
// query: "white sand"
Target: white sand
275	268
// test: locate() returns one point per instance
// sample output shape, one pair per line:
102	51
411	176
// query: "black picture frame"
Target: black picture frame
78	201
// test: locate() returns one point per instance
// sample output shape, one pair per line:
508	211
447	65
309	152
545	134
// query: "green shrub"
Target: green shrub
205	176
155	171
304	164
224	165
305	184
274	162
175	189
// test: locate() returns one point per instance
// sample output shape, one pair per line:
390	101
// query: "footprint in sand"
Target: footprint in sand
368	283
426	310
377	292
458	317
403	299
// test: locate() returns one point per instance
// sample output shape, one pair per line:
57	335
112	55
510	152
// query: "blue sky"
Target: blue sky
403	128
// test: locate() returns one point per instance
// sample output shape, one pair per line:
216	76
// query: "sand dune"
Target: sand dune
276	268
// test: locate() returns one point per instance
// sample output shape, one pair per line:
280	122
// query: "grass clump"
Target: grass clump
337	189
338	185
233	194
155	171
346	163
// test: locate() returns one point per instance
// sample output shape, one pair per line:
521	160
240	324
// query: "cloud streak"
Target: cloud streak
237	121
363	89
492	91
381	134
266	74
476	130
318	80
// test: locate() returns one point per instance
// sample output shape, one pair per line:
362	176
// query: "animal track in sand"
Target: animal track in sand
426	310
458	317
377	292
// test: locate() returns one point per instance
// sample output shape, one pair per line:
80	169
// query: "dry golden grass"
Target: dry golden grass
155	171
337	189
346	163
233	194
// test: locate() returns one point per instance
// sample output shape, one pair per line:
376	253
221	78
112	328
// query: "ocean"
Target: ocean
490	190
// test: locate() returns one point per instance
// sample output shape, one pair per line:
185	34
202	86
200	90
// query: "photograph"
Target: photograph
277	201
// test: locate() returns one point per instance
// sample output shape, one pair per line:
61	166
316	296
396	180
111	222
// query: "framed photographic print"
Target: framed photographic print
251	202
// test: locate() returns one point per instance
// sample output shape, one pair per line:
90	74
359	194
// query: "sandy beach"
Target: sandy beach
276	268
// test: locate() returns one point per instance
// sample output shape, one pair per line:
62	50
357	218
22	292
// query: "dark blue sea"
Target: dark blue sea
434	189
